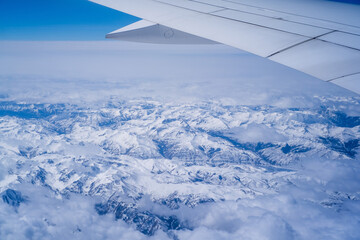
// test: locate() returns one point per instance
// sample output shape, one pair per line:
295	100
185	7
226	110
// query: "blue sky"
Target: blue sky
58	20
62	20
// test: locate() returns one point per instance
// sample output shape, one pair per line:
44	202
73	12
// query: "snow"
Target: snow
97	160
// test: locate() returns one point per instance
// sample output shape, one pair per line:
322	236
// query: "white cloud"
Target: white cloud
303	195
45	216
255	133
92	71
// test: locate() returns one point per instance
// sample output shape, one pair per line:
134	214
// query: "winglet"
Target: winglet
149	32
132	27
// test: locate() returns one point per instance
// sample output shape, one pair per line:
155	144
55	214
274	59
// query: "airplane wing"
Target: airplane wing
318	37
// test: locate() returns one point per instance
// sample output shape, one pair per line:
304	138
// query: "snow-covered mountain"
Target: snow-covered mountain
108	140
163	167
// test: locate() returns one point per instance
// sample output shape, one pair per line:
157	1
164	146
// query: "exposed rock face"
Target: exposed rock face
13	198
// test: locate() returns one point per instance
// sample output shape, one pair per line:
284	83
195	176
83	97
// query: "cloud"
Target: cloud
255	133
291	213
46	216
310	206
94	71
65	108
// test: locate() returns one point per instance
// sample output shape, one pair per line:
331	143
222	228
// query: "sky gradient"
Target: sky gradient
59	20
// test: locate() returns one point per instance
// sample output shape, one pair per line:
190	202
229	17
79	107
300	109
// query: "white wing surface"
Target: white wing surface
318	37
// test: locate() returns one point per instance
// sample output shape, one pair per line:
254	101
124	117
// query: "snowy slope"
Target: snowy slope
177	156
79	162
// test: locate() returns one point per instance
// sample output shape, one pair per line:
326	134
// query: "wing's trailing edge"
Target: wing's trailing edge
317	37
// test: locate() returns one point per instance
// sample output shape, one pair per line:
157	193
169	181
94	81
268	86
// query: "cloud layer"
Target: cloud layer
56	71
226	143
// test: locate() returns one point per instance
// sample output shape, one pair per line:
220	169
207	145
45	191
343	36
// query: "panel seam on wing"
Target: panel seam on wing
265	16
289	13
297	44
231	19
347	75
191	9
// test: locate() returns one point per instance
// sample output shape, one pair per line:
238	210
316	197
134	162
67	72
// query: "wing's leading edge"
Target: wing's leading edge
320	38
